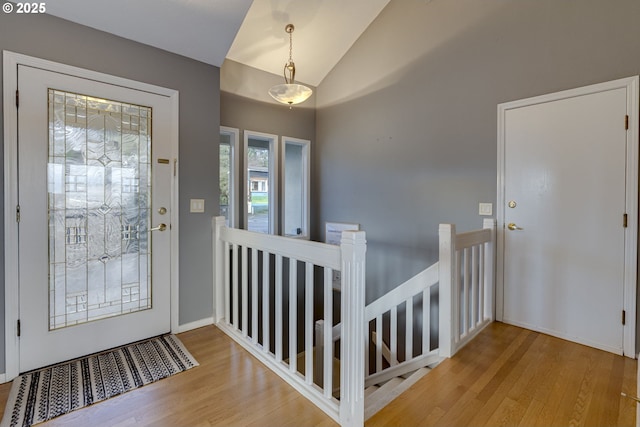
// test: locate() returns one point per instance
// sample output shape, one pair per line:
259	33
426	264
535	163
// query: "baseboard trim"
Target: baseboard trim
195	325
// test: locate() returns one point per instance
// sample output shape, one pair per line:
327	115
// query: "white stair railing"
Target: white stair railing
466	285
266	288
383	315
462	280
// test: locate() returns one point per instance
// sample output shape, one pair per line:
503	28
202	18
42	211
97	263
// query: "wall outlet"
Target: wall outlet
485	209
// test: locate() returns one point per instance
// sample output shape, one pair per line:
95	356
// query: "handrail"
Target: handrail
411	287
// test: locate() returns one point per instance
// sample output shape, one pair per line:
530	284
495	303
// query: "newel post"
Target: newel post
446	306
489	270
353	248
218	269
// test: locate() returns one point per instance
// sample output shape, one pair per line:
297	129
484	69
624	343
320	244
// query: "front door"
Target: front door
569	215
94	191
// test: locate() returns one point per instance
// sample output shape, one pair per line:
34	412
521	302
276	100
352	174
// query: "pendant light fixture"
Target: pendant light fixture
290	92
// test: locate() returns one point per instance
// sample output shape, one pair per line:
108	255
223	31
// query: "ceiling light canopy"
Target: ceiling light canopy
290	92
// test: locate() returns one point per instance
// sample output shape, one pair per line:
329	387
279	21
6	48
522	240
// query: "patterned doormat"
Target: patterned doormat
56	390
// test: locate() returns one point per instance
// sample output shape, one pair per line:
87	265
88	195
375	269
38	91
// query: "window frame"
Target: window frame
306	186
234	174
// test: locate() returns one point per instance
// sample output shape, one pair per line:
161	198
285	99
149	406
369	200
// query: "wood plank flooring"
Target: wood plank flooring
229	388
509	376
506	376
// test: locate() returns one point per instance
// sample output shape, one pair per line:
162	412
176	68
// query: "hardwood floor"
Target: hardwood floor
509	376
229	388
506	376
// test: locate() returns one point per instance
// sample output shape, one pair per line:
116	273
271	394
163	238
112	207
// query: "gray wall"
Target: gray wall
58	40
406	122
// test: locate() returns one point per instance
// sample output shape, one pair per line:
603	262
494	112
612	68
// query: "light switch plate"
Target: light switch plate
196	206
485	209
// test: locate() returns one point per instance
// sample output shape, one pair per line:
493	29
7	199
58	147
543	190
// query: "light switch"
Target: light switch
485	209
196	206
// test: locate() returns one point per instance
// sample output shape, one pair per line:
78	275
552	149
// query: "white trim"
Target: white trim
195	325
3	378
273	175
306	153
175	211
11	60
631	239
11	297
234	191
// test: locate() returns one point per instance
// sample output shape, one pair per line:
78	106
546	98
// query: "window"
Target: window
261	182
228	175
261	204
295	187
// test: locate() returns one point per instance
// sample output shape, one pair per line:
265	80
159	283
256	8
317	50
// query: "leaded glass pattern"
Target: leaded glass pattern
99	195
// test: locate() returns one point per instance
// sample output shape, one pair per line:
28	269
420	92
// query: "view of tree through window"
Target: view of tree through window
225	175
259	183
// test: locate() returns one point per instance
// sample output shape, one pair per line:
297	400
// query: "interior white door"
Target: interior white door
563	254
92	184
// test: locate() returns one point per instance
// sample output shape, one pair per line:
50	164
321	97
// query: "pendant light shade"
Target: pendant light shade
290	92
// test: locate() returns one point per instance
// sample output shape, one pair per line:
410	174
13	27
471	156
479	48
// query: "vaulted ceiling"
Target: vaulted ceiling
245	31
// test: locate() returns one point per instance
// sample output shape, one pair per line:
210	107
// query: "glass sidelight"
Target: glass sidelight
261	182
99	200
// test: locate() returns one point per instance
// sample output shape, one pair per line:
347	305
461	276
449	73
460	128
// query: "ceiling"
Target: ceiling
245	31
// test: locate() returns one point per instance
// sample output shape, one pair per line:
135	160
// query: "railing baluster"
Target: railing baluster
227	283
328	333
393	336
474	287
266	286
408	353
467	287
426	320
379	343
481	283
254	295
293	315
245	293
308	323
278	308
234	279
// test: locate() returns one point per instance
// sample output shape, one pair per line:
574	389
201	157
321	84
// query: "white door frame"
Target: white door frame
11	291
630	234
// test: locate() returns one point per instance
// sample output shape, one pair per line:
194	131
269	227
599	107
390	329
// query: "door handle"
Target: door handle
161	227
512	226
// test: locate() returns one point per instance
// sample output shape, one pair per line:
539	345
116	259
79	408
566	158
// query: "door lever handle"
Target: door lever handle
512	226
161	227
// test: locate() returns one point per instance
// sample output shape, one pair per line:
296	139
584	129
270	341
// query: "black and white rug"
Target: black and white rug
40	395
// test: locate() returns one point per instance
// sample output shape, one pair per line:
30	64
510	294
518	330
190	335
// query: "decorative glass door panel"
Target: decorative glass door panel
99	195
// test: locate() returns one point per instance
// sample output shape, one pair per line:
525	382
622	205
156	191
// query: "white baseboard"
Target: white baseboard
195	325
3	378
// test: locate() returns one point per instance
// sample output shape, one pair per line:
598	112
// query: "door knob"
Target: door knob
161	227
512	226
